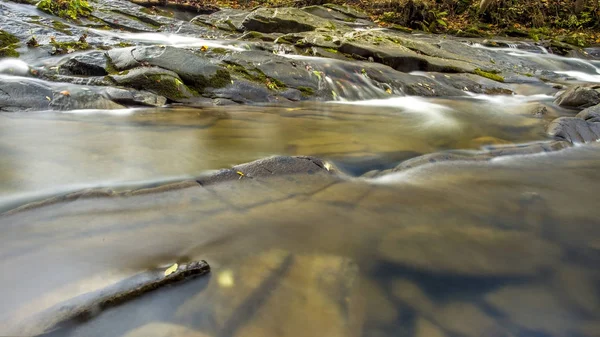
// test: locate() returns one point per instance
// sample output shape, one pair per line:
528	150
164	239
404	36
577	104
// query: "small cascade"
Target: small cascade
347	81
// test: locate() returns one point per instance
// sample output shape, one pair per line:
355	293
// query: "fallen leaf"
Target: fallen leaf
203	48
171	269
388	90
65	93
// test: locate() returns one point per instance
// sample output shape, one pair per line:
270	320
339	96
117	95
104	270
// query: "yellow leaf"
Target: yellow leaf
388	90
203	48
48	98
171	269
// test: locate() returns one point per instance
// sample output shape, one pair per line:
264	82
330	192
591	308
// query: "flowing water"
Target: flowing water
509	247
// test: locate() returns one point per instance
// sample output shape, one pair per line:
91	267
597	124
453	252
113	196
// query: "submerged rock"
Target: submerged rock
533	308
579	97
273	166
469	251
490	152
275	293
161	329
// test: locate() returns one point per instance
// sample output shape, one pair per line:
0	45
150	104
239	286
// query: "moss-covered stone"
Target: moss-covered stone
7	39
71	9
8	43
489	75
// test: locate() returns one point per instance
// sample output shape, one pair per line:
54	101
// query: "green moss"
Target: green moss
253	35
220	79
59	25
8	52
327	38
167	86
8	43
72	9
7	39
306	91
69	46
331	50
124	44
489	75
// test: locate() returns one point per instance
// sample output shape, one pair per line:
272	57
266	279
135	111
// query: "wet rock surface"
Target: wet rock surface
579	97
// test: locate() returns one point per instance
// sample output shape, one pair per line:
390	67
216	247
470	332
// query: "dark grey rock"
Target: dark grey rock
134	97
22	94
282	20
591	114
574	130
579	97
228	19
272	166
87	64
81	98
195	70
159	81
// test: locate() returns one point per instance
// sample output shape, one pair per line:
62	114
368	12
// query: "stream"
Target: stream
504	245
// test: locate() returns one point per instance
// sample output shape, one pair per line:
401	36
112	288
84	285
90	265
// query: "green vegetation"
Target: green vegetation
67	47
306	91
69	9
491	76
8	43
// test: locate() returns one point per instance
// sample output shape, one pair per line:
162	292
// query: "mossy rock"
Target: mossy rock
68	9
8	43
491	76
156	80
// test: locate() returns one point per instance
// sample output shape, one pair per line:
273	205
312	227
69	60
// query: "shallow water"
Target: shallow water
59	151
507	247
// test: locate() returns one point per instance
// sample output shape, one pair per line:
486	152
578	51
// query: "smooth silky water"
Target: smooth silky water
509	247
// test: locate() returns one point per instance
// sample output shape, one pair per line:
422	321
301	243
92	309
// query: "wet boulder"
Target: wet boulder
22	94
156	80
574	129
591	114
228	19
134	97
196	71
469	251
348	11
81	98
579	97
86	64
282	20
